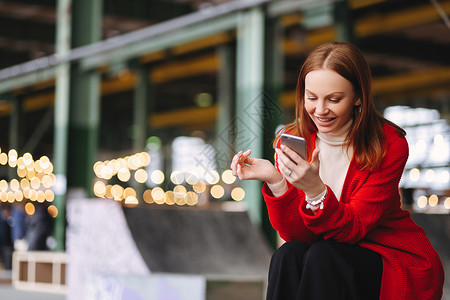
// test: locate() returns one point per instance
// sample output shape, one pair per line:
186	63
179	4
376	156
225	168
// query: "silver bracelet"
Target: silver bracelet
317	202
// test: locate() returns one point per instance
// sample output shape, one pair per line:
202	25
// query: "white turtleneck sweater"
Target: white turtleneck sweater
334	161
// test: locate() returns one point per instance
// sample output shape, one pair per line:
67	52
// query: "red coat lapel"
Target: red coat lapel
354	178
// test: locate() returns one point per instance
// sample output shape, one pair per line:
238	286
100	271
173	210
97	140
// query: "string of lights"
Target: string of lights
188	188
34	182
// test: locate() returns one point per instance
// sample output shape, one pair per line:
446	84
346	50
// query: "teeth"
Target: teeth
324	119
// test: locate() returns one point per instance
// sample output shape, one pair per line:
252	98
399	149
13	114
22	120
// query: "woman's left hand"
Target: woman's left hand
300	173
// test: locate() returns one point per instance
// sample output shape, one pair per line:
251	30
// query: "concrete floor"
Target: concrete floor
8	292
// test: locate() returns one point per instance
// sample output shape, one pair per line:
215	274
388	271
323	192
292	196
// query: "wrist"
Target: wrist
313	193
316	202
278	188
275	180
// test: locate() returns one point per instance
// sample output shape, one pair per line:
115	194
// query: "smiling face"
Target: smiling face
329	100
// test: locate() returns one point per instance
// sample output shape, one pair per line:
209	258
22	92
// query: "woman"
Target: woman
339	211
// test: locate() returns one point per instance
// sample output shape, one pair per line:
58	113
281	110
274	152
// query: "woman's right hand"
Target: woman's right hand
247	168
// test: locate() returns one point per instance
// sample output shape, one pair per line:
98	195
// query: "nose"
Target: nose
321	107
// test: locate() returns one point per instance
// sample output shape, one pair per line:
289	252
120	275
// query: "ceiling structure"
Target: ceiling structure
406	42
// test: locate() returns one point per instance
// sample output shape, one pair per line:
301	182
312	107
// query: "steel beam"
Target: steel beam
144	45
249	99
84	99
278	8
225	94
14	131
273	112
343	22
63	35
213	20
22	79
140	110
140	113
39	131
163	35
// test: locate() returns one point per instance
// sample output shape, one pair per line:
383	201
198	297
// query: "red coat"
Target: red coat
368	214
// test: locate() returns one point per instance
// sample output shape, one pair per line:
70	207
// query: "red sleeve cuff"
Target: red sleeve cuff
330	206
281	201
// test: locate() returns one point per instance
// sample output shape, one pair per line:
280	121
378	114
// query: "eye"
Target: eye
335	100
311	98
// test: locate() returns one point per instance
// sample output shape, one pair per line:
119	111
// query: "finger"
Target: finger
315	157
245	155
244	158
294	156
235	162
285	165
240	172
281	158
233	170
288	151
285	159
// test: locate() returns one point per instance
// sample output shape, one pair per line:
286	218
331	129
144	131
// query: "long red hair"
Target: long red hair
366	132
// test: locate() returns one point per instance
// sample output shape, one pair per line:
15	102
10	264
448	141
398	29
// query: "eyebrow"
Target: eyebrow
331	94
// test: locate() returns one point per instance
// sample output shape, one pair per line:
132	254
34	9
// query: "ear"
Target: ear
358	102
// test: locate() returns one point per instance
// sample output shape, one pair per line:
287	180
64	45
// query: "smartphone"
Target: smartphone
296	143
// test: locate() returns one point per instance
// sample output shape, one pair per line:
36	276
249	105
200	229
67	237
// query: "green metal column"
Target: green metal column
140	109
225	95
63	33
249	99
344	22
14	131
273	112
14	122
140	115
84	99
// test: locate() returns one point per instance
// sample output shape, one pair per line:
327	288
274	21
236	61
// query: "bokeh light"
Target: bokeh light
422	201
429	175
124	174
158	195
157	176
447	203
148	196
179	191
238	194
52	211
169	198
228	177
212	177
141	176
414	174
199	187
177	177
191	198
30	209
217	191
433	200
100	189
131	201
31	178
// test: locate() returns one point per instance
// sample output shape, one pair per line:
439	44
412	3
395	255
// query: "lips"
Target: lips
325	119
321	121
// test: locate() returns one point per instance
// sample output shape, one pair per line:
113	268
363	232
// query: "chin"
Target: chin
324	129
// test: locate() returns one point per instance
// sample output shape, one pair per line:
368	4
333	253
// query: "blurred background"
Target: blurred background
120	118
